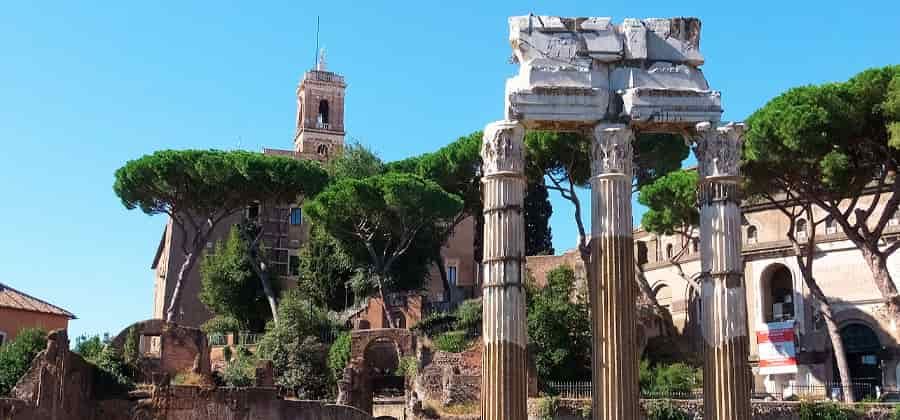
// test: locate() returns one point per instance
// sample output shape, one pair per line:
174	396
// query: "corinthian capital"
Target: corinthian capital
611	151
503	148
718	149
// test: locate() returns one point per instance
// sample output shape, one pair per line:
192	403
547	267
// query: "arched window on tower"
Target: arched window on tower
322	150
323	114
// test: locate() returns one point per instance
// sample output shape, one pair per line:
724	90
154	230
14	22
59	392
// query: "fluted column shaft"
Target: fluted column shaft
504	387
613	296
726	374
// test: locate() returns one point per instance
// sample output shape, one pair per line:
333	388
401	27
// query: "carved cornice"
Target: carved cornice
503	148
718	150
611	150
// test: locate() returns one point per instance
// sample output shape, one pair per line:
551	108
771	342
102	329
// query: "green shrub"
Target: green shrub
668	379
241	370
895	413
435	323
468	315
130	351
408	366
339	355
16	357
452	342
222	324
90	347
825	411
547	408
112	376
665	410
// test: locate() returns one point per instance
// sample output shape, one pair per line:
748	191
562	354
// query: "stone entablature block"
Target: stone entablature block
583	70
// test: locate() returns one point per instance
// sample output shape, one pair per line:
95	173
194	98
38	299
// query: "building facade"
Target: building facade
19	311
319	136
777	297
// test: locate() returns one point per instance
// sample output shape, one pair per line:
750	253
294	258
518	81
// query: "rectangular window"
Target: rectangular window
296	216
295	265
451	275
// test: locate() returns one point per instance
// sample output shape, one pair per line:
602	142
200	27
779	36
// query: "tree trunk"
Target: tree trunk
175	302
384	302
259	268
448	293
877	263
669	329
838	348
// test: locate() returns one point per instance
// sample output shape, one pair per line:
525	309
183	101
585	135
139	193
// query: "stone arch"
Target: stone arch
777	294
664	294
368	374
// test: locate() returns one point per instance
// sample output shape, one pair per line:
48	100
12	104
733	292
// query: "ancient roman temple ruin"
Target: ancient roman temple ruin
612	82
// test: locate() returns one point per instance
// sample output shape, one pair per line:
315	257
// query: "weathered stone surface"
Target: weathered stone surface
180	349
572	69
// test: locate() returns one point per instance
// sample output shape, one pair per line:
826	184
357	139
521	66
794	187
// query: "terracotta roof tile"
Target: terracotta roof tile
12	298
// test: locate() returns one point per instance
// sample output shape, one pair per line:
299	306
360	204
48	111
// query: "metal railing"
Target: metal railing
827	391
217	339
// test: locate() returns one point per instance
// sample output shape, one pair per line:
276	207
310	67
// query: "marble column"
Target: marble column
504	387
726	373
614	293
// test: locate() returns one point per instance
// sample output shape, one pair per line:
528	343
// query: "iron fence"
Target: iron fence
217	339
826	391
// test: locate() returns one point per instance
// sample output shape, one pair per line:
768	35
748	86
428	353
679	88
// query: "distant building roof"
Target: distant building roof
12	298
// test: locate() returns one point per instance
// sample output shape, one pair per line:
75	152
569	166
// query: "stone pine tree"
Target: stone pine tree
383	217
538	235
837	146
456	167
198	189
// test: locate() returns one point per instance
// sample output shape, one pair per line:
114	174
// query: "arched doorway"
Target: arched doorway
382	358
777	294
863	349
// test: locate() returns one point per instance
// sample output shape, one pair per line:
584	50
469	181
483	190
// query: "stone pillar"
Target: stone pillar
614	293
726	373
503	390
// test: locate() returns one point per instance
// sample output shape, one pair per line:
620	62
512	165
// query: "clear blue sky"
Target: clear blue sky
85	86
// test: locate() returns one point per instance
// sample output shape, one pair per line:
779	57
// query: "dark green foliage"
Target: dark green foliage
665	410
452	341
657	154
113	376
468	316
825	411
241	369
204	182
16	357
563	156
537	212
230	288
436	323
355	161
381	218
325	270
666	379
559	329
220	324
89	347
339	355
895	413
671	202
300	360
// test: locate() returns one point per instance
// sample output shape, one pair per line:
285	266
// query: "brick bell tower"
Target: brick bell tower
320	113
